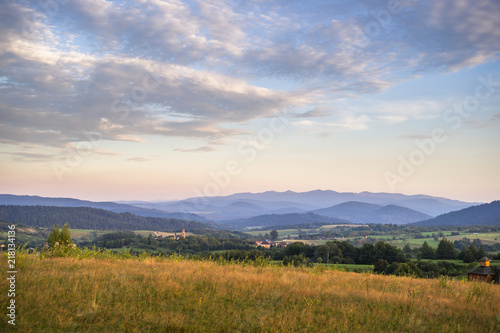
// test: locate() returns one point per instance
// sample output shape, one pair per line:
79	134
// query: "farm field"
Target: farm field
87	235
177	295
486	238
295	232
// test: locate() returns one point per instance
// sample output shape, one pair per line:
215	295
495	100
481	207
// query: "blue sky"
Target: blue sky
110	100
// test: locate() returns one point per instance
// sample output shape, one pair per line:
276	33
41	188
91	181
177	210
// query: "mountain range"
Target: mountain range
260	209
246	205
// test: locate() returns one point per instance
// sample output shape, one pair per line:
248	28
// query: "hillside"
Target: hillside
486	214
90	218
362	212
270	220
28	200
179	295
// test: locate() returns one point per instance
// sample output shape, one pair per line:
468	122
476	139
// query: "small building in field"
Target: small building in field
265	244
485	272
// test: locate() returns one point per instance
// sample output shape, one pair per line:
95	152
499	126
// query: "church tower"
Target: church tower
183	233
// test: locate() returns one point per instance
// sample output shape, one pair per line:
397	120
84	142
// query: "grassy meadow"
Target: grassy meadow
178	295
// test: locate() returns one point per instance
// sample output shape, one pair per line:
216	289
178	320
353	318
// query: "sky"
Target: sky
162	100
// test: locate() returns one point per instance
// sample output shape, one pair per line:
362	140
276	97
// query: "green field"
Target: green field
295	232
486	238
87	235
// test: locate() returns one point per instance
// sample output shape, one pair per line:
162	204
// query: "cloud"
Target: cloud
203	149
28	156
494	120
346	123
396	111
105	152
123	98
415	136
314	113
139	159
183	68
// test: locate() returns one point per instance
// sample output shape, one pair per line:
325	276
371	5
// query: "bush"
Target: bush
296	260
59	241
380	266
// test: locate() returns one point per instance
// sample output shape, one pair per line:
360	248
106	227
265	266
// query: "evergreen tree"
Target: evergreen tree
446	250
426	252
480	253
469	254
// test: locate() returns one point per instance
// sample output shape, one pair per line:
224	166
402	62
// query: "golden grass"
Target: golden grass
172	295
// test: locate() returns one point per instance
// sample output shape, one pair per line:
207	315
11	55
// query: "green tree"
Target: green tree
380	266
408	269
446	250
323	252
469	254
60	237
426	252
152	241
480	253
274	234
59	240
407	251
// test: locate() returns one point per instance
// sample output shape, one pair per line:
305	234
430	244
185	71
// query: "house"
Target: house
485	272
265	244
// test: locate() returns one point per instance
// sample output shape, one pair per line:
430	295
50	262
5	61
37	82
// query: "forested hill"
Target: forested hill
486	214
29	200
90	218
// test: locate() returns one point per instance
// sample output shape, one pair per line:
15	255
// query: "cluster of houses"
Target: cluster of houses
267	244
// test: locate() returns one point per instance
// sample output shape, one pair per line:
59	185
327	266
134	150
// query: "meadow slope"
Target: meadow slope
179	295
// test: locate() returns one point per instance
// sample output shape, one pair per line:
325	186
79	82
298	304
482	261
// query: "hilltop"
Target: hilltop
486	214
362	212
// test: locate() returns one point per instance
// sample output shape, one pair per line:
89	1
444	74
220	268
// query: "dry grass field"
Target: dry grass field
178	295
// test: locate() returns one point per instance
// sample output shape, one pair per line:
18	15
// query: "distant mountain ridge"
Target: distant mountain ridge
364	207
485	214
272	202
361	212
27	200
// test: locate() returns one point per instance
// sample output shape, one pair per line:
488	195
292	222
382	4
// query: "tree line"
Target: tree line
191	245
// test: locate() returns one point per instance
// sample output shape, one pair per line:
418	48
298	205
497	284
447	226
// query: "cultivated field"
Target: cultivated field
178	295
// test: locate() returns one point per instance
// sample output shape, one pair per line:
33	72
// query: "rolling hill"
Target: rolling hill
27	200
486	214
362	212
90	218
270	220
